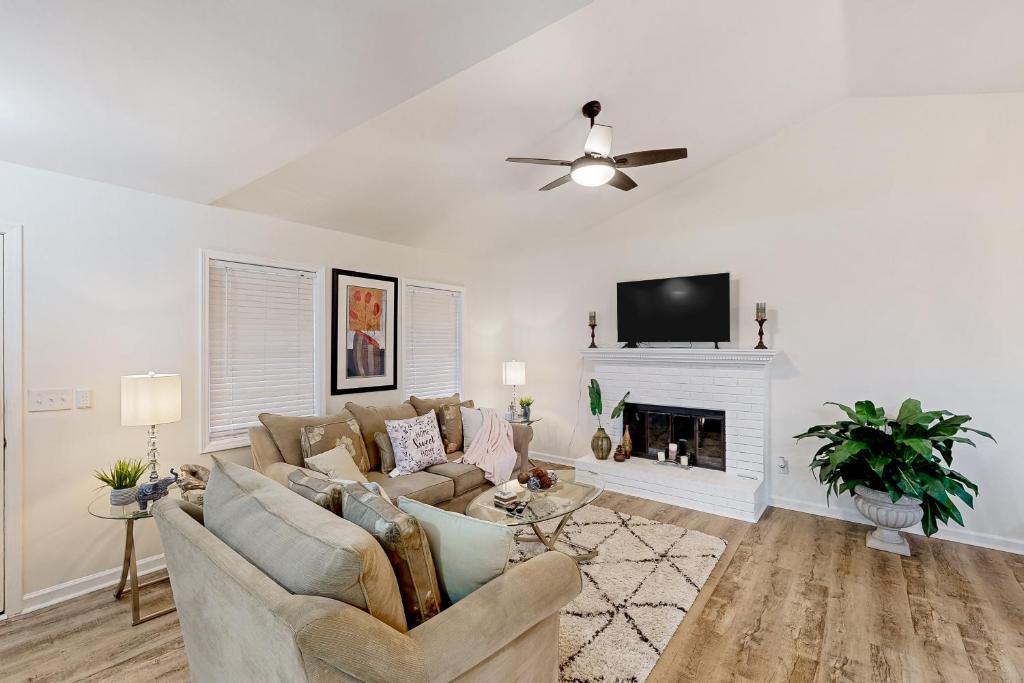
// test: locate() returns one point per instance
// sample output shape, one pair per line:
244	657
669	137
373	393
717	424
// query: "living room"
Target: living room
853	166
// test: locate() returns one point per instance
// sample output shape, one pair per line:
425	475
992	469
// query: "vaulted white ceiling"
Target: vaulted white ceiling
392	119
197	98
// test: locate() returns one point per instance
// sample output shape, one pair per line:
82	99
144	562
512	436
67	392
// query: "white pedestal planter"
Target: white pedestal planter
889	517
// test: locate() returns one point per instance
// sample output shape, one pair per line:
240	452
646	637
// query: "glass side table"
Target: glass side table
101	508
561	500
521	421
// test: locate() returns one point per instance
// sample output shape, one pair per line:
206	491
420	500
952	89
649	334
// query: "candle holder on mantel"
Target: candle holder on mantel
760	315
593	325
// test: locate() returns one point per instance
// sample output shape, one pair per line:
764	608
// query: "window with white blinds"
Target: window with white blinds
433	341
261	347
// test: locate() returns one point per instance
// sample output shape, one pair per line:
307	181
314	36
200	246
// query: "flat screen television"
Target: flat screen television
676	309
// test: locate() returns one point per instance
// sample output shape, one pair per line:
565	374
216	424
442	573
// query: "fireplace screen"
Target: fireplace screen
653	428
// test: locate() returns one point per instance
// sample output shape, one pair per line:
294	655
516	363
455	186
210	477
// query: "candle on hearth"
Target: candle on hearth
760	311
661	456
593	318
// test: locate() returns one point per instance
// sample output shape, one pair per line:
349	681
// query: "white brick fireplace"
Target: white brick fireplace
735	381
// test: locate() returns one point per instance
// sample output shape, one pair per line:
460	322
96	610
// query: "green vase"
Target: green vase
601	444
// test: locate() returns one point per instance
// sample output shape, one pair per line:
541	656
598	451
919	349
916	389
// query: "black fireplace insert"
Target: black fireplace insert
653	428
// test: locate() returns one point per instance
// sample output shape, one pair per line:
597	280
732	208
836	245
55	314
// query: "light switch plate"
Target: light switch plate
83	398
49	399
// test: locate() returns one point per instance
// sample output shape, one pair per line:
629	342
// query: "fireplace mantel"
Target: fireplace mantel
733	381
662	355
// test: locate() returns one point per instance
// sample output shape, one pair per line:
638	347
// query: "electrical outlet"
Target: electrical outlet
782	464
49	399
83	398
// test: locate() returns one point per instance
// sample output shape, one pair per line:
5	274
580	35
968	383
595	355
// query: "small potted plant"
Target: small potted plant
122	478
897	468
601	443
524	403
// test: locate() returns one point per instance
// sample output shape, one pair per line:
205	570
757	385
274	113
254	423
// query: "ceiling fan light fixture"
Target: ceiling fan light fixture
591	172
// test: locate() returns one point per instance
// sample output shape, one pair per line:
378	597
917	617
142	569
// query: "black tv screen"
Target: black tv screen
677	309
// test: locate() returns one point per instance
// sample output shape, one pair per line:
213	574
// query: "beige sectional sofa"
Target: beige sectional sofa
450	486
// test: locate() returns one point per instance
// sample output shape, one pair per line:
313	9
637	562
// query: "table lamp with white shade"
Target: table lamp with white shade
513	374
150	400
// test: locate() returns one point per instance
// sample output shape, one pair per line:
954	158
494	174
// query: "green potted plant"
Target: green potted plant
524	403
897	468
122	478
601	443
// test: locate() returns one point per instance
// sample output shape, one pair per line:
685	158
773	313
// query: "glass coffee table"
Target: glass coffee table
561	500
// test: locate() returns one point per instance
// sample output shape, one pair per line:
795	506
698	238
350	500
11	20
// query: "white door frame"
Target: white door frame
13	417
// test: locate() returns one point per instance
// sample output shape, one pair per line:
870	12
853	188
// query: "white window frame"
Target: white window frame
403	283
319	314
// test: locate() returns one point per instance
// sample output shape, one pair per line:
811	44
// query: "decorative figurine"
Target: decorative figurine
620	454
154	490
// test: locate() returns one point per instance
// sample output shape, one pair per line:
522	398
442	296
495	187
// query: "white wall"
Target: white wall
111	287
886	236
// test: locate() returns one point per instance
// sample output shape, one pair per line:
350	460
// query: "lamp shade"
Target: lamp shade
150	399
513	373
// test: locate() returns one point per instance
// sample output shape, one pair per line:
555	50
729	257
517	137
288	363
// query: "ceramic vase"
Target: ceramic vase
889	517
627	443
123	496
526	412
601	444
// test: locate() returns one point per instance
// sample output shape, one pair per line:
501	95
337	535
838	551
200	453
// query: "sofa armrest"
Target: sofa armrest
522	435
350	641
279	471
491	617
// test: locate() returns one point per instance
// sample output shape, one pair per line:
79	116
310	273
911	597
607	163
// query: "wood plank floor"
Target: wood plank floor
795	598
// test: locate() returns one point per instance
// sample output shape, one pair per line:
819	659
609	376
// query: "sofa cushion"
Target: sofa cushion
466	477
336	463
300	545
387	453
371	420
323	492
472	421
416	443
468	553
317	439
422	486
286	431
425	406
406	546
451	425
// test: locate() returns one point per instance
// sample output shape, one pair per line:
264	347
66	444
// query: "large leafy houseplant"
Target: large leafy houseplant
908	455
597	403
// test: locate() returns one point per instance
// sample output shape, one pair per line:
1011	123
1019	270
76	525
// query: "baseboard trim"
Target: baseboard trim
551	457
948	534
62	592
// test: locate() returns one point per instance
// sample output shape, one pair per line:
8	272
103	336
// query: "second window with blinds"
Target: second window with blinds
261	350
432	339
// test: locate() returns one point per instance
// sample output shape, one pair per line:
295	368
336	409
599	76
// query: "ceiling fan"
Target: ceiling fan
597	166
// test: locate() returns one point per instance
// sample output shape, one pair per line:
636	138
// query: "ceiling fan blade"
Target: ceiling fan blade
622	181
545	162
558	182
599	141
650	156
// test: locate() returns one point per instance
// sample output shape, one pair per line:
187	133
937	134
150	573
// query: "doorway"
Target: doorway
10	419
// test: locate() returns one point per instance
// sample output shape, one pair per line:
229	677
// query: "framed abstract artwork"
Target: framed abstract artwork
364	332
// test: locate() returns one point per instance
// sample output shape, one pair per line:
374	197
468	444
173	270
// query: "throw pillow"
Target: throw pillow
336	463
387	453
451	425
285	430
472	421
468	553
405	544
371	420
323	492
424	406
417	444
316	439
300	545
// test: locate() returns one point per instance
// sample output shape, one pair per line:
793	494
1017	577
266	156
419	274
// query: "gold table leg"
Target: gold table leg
130	570
549	540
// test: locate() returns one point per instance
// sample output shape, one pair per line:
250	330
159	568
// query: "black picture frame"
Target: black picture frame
337	348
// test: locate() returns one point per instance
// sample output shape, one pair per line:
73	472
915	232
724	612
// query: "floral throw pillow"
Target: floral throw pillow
416	443
345	434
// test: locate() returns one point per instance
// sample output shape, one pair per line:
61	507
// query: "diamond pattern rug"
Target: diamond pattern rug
635	592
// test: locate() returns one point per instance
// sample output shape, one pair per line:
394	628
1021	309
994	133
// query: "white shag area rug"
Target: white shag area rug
635	592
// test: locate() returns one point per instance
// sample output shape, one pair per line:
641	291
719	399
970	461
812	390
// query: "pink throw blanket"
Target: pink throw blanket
492	449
